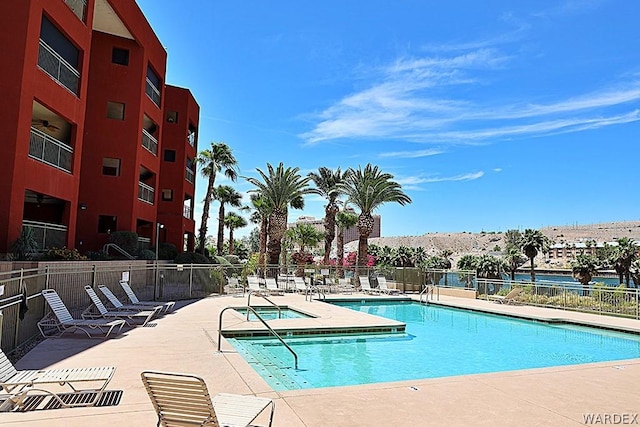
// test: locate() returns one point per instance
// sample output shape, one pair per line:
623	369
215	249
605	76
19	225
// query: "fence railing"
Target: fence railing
59	69
152	92
149	142
78	7
46	234
146	193
49	150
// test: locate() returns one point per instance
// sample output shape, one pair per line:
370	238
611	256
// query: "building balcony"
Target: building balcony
149	142
190	175
49	150
78	7
186	212
152	92
59	69
146	193
191	139
47	235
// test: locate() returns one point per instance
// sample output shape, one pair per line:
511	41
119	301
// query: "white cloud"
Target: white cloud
412	154
413	182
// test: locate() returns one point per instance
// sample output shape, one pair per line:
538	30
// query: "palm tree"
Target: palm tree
623	256
584	267
233	221
225	194
260	215
280	187
368	189
305	235
344	220
531	242
513	259
327	184
218	158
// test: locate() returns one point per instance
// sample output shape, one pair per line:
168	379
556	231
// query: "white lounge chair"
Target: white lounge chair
345	286
365	286
115	302
18	383
300	285
508	298
183	400
253	283
272	286
128	316
62	321
384	288
168	305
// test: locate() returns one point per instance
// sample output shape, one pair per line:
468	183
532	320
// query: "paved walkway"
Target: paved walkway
186	341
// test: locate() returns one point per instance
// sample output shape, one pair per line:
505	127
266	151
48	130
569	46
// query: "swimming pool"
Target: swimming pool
438	342
270	313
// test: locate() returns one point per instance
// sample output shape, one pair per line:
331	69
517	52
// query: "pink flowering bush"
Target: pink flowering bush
352	258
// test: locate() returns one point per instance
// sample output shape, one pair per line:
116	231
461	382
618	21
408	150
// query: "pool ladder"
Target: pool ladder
428	290
269	328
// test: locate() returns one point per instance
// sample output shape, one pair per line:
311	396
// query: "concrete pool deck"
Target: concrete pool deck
186	341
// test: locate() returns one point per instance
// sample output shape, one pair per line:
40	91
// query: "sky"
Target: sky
492	115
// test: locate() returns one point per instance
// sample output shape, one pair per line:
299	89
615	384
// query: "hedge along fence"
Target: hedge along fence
68	279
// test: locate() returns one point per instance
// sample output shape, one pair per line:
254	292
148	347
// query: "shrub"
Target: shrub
63	254
145	254
167	251
192	258
233	259
97	255
25	246
127	240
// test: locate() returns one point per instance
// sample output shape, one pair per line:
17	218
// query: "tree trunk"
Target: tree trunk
533	271
329	229
263	242
340	253
231	241
276	230
220	242
205	213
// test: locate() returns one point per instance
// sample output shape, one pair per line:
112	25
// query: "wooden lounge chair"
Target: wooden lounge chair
508	298
61	320
115	302
168	305
128	316
183	400
383	288
18	383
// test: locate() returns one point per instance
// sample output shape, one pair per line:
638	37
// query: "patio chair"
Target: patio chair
62	321
254	286
300	285
365	286
115	302
272	286
18	383
345	286
234	287
508	298
183	400
127	315
168	305
384	288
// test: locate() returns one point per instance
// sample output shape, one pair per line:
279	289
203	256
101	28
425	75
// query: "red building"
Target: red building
83	95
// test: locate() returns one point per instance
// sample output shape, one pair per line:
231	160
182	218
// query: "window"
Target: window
115	110
169	155
167	195
110	166
172	116
107	223
120	56
59	43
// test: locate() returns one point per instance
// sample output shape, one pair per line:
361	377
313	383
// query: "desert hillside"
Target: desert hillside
481	243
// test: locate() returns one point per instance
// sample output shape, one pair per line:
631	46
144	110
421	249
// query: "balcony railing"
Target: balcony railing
186	212
190	175
59	69
191	139
146	193
152	92
78	7
149	142
50	151
48	235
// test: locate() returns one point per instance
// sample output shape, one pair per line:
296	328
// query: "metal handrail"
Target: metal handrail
273	332
126	254
428	290
268	300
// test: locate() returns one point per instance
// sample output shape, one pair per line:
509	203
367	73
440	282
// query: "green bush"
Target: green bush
192	258
167	251
127	240
63	254
97	255
145	254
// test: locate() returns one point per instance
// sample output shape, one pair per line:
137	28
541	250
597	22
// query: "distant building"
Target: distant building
350	234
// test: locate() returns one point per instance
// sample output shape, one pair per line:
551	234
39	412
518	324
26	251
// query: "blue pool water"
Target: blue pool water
438	342
269	313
